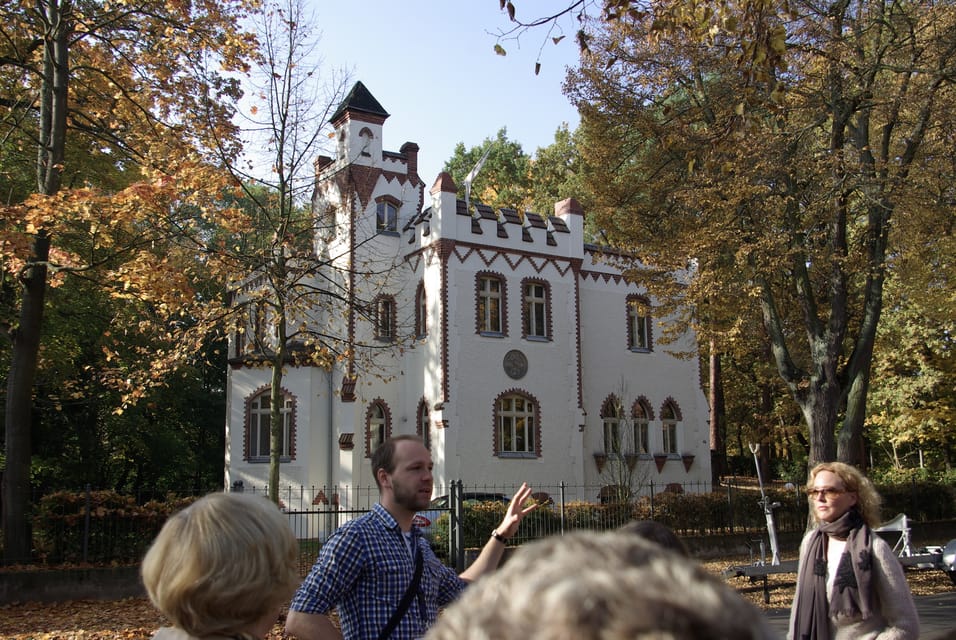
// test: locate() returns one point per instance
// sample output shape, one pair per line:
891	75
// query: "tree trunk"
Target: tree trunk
276	401
820	412
850	448
19	407
718	417
26	343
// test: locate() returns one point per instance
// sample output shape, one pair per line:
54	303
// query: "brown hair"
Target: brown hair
384	455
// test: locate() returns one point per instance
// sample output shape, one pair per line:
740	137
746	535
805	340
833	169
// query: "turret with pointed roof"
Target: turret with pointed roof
360	101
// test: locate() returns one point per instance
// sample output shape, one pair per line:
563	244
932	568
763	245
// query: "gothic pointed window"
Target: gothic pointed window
378	425
640	414
670	416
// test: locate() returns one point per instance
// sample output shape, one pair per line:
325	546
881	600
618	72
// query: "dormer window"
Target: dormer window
386	214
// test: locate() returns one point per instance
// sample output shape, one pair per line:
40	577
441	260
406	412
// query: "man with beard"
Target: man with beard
368	568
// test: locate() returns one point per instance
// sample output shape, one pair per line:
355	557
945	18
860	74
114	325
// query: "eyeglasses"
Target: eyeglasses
826	494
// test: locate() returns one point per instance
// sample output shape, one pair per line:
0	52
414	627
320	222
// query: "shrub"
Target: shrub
101	527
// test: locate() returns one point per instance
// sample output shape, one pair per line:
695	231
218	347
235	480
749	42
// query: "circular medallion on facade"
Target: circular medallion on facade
515	364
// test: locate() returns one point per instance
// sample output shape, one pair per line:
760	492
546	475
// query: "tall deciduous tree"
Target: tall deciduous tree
774	147
504	178
122	83
268	250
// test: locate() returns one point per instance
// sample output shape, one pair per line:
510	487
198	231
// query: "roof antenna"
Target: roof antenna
471	176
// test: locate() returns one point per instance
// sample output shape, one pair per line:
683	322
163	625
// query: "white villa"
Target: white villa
503	340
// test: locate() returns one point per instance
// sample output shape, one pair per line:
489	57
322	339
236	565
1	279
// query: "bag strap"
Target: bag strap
406	599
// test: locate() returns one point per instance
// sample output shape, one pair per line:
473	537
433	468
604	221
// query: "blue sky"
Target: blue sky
431	65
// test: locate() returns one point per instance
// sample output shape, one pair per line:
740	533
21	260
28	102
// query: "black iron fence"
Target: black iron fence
102	527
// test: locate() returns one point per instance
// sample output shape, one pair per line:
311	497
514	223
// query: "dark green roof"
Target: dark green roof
360	99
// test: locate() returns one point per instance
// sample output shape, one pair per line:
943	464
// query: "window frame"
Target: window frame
639	336
532	431
423	423
378	415
612	414
421	311
670	420
256	416
386	317
385	223
641	415
484	307
536	310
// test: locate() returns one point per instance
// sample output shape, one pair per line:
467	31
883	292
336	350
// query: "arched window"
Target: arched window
258	421
670	416
641	415
517	430
611	414
423	427
421	311
638	323
378	425
366	136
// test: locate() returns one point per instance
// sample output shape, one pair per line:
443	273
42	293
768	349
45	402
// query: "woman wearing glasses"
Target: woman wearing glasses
849	583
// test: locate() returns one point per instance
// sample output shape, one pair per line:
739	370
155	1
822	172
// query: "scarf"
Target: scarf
852	595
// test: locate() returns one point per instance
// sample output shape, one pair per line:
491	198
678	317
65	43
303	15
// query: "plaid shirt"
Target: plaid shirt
364	569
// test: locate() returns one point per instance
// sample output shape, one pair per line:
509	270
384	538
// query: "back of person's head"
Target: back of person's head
599	586
868	500
657	533
222	564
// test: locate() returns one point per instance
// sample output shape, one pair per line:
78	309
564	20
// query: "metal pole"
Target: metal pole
767	510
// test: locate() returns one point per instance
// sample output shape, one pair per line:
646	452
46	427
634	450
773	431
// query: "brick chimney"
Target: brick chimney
410	150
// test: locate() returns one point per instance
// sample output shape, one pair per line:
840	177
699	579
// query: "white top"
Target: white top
834	551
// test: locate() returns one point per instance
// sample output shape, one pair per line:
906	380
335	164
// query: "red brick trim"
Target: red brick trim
642	403
676	407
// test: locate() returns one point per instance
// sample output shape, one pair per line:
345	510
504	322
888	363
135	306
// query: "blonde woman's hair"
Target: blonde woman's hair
599	586
868	501
221	564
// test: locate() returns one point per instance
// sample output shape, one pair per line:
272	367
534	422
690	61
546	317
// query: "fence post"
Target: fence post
456	533
562	506
86	525
653	517
730	502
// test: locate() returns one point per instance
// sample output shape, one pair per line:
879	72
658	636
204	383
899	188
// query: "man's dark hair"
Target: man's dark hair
384	455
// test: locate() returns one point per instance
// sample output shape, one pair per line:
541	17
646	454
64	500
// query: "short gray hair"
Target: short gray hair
600	586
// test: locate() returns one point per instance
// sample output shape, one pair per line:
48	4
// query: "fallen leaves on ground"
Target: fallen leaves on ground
136	619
